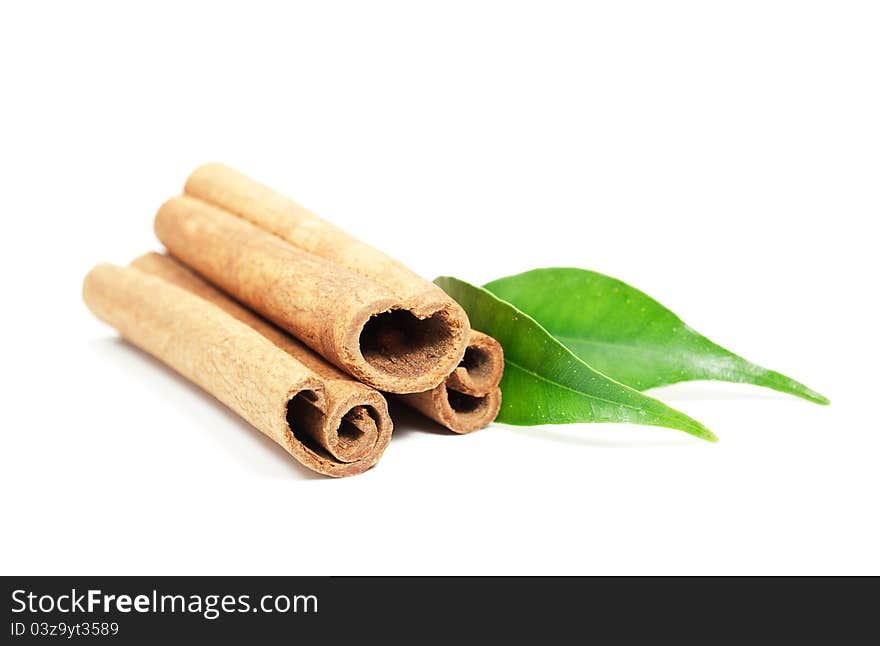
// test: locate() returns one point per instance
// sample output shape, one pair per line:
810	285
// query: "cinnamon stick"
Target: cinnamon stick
354	418
481	368
395	341
262	206
470	398
274	391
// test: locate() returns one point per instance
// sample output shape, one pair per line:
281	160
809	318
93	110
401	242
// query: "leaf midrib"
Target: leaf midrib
650	349
575	390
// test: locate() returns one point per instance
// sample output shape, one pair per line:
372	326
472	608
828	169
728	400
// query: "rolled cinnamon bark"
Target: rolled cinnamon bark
351	320
456	411
481	368
269	388
470	398
271	211
354	419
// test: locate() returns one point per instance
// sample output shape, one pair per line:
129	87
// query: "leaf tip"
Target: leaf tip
709	436
692	427
809	394
822	400
689	425
701	432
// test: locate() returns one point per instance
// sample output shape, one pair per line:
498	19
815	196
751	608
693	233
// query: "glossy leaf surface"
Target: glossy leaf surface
545	383
627	335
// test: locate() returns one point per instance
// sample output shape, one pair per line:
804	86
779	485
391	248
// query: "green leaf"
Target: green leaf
545	383
628	335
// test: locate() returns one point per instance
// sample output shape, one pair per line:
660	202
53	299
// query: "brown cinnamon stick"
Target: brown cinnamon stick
458	412
392	343
470	398
354	416
271	389
481	368
271	211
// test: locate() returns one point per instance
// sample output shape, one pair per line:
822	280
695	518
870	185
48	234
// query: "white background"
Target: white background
723	157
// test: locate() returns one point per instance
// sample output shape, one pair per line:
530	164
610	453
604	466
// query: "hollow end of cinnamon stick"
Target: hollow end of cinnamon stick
323	440
457	411
470	398
481	368
350	433
409	353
